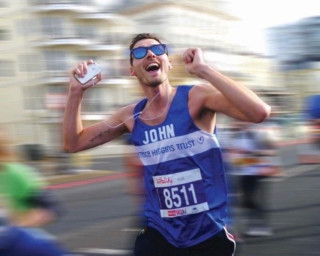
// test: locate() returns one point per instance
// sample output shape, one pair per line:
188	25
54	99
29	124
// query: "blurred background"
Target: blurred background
272	47
41	40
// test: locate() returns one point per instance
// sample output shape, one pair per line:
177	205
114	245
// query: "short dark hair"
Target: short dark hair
139	37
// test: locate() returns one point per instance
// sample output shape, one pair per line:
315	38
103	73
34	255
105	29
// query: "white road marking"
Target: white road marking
131	229
105	251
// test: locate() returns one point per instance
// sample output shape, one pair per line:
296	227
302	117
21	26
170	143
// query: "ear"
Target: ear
132	72
170	65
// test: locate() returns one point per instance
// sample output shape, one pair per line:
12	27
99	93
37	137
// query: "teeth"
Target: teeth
152	65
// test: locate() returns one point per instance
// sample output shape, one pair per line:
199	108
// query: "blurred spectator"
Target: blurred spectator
313	112
311	148
24	204
253	158
225	138
28	203
315	132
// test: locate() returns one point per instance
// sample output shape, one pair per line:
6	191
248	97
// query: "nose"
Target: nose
150	53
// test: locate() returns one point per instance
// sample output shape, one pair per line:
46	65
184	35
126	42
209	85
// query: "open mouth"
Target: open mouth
153	67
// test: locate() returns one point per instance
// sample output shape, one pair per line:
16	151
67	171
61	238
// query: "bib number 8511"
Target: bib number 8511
181	193
173	196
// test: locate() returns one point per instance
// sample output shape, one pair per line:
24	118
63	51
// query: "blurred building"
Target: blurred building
295	49
41	40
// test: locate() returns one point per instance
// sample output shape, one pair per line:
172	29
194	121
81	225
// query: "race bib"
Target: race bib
181	193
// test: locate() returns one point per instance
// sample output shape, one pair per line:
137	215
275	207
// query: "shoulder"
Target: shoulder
203	90
124	112
124	115
199	109
127	110
204	95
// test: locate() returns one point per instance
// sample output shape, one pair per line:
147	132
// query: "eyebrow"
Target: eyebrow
144	46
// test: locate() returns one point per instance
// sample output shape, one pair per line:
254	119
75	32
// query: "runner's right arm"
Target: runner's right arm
75	136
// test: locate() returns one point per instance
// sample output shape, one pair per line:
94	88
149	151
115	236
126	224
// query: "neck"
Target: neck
159	100
159	93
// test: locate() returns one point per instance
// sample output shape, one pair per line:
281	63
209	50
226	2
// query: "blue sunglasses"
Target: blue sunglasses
157	49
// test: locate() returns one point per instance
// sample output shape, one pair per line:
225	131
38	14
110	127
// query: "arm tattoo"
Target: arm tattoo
100	135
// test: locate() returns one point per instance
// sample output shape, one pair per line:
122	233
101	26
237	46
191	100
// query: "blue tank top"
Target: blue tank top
186	192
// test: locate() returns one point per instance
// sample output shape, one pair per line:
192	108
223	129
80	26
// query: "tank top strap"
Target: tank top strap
140	106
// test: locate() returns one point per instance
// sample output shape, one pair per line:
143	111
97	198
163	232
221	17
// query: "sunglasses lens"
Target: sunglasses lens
139	52
158	49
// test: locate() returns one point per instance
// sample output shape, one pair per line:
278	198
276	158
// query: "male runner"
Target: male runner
173	132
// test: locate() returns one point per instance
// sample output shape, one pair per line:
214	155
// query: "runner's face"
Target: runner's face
152	70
